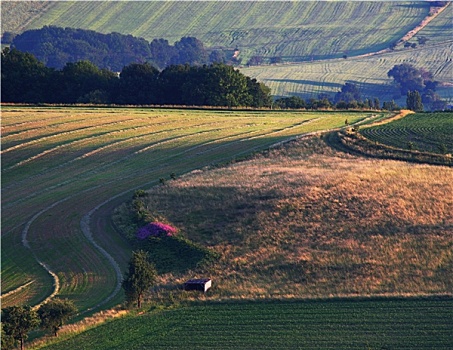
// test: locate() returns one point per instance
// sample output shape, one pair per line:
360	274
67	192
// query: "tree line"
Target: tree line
27	80
18	321
56	46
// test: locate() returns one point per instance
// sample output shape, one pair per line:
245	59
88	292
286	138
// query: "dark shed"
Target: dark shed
201	284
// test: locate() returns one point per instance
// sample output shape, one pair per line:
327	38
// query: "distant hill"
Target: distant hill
315	34
56	46
369	72
294	31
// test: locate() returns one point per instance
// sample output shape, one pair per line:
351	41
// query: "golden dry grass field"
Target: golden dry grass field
305	220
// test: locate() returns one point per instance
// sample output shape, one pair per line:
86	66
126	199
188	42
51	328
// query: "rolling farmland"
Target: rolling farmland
293	30
60	166
310	79
373	324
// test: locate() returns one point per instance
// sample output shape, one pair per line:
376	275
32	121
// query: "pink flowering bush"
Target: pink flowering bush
155	229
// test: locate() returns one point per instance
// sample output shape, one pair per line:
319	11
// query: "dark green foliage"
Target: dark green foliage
293	102
8	37
414	101
140	277
55	313
408	78
84	82
433	101
138	84
190	51
18	321
24	78
7	340
217	56
390	106
161	52
349	93
55	47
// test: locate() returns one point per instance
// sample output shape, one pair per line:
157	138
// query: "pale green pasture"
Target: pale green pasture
299	29
58	164
370	73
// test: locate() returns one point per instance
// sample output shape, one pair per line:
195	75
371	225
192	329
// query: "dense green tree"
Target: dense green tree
376	103
56	46
390	106
190	51
215	85
348	93
8	37
260	93
171	82
140	277
414	101
18	321
293	102
217	56
78	80
7	340
23	77
162	52
55	313
409	78
138	84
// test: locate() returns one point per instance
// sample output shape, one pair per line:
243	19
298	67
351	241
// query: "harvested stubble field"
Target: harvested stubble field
304	220
65	169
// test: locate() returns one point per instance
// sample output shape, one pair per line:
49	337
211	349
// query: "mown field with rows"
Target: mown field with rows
379	324
63	166
429	132
293	30
310	79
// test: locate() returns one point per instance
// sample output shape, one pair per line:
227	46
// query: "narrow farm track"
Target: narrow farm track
58	196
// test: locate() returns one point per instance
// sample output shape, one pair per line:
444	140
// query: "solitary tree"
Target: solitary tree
54	313
414	101
140	277
17	321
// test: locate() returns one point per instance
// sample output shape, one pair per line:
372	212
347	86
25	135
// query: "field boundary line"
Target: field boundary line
403	113
27	245
16	290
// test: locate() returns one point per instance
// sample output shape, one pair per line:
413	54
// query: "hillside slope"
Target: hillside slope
309	79
295	31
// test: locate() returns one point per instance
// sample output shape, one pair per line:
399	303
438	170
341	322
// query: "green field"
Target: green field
64	169
429	132
289	29
348	324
